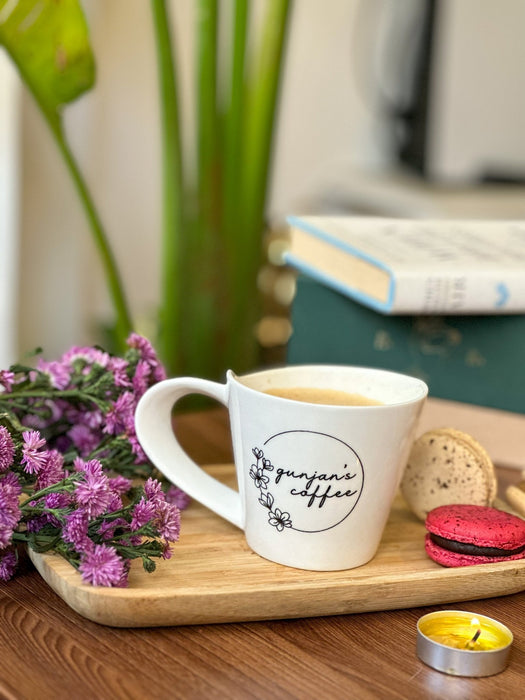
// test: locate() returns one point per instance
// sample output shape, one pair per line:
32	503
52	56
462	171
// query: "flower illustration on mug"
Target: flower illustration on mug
259	477
279	519
266	500
276	517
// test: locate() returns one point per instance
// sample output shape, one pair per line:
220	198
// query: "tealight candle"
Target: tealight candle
463	643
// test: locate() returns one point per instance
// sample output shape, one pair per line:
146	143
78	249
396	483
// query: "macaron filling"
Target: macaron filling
473	549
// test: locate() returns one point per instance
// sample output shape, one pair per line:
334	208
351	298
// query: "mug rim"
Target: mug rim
418	384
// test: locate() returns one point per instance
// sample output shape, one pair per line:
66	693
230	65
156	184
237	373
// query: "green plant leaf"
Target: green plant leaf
48	41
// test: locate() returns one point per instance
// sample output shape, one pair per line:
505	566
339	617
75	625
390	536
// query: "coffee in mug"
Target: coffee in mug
329	397
316	480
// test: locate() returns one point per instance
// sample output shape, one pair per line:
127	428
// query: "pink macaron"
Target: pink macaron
462	535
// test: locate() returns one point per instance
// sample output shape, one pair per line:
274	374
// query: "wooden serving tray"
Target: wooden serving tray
213	577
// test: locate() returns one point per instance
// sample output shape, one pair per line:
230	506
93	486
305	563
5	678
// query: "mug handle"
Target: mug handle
154	428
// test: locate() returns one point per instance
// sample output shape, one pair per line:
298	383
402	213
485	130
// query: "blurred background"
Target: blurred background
396	107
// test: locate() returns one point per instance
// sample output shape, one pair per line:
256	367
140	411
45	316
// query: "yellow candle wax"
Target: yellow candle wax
458	630
463	643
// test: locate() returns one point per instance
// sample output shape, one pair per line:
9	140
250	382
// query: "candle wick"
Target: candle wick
475	637
471	643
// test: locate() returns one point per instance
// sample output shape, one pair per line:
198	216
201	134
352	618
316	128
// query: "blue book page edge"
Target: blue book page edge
326	279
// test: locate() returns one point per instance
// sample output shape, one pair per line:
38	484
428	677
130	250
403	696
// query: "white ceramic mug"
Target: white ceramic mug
316	482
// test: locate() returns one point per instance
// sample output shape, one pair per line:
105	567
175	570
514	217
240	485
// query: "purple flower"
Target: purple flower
153	490
107	527
177	496
166	550
92	466
148	354
33	459
82	505
120	414
93	493
87	354
102	566
11	484
9	509
6	530
58	500
40	421
143	512
7	449
52	471
115	502
7	379
83	438
58	373
144	347
167	521
93	419
141	377
118	366
75	530
119	484
40	521
8	562
136	448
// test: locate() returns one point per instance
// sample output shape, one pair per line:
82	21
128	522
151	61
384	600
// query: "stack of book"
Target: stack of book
441	300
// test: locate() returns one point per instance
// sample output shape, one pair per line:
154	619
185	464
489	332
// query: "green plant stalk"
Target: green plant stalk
260	112
207	118
171	305
204	253
259	118
233	126
236	353
123	323
233	143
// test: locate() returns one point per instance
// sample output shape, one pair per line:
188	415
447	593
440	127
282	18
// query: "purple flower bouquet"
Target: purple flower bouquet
70	463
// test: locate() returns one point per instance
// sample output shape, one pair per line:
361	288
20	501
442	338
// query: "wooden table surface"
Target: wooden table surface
49	651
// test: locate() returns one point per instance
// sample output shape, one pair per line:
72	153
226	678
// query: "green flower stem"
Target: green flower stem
45	394
123	324
146	549
75	394
66	485
172	259
19	536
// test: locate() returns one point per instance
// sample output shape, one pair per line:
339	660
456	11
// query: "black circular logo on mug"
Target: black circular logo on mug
308	481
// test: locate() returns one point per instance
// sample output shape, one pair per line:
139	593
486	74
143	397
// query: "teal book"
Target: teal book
476	359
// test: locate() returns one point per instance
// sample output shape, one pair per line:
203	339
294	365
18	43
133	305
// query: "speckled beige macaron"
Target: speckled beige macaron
447	466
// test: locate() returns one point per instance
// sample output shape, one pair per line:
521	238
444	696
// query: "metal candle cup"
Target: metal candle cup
463	643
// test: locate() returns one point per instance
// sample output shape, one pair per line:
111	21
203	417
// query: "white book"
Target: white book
407	266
